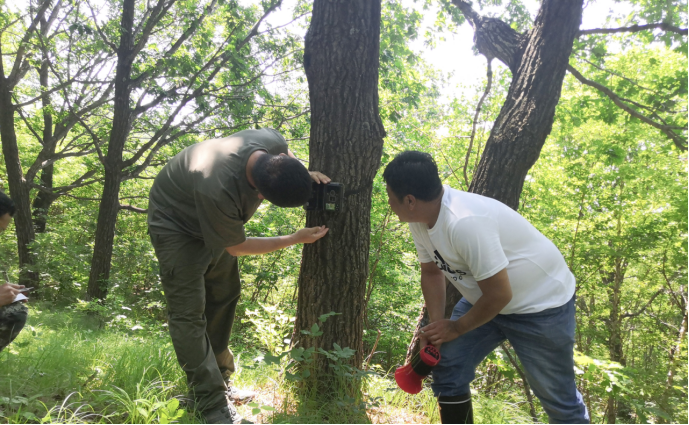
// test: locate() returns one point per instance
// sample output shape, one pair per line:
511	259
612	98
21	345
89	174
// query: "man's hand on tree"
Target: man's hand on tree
310	234
8	292
319	177
441	331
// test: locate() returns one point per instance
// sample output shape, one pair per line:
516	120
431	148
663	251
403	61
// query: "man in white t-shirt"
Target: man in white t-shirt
515	284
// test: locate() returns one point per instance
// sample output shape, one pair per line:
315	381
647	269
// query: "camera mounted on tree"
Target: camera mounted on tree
326	197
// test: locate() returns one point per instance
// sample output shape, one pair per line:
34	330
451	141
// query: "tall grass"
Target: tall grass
65	368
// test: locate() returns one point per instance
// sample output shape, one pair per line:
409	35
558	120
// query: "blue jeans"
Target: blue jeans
544	342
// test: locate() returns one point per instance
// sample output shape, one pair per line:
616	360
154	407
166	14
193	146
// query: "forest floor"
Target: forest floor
67	367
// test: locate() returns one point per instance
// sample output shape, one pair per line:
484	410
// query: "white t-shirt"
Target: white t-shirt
475	237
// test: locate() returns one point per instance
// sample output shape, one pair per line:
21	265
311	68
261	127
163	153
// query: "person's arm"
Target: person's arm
255	246
497	293
8	292
433	288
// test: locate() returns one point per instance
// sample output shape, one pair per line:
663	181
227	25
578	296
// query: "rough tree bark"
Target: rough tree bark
538	60
112	162
539	63
341	60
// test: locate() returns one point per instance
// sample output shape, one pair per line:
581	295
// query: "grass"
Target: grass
66	368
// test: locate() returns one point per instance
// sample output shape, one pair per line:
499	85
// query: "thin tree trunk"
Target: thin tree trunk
522	375
673	353
109	204
43	200
341	59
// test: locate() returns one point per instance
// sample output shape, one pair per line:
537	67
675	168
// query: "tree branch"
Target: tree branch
642	309
635	28
157	13
192	29
254	30
680	142
493	38
19	57
62	190
107	42
489	77
134	209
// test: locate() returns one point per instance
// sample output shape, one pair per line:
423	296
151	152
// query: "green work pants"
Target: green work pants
202	288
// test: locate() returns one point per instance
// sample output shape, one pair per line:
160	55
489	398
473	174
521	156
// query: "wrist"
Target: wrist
458	326
293	239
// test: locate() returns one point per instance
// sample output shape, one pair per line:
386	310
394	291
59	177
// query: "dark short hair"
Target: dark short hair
282	180
413	173
6	205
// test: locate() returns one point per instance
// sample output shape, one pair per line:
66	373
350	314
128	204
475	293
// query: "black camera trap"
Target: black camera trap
326	197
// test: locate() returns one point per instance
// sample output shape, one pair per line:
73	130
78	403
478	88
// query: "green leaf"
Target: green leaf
173	405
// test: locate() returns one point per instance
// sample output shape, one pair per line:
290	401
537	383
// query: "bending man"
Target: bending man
198	206
515	286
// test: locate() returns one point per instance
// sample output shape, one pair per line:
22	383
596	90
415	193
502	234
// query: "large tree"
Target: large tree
341	59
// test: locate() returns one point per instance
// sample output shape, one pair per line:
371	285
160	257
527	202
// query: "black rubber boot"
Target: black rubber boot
456	409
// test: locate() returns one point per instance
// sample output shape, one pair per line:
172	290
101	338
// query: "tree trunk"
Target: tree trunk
43	200
613	283
672	360
526	118
672	363
341	60
121	125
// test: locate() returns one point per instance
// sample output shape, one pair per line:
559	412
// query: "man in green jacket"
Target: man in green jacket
198	206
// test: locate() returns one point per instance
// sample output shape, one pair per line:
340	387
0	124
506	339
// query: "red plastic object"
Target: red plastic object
410	376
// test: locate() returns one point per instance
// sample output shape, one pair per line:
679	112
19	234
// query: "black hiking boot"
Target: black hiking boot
224	415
